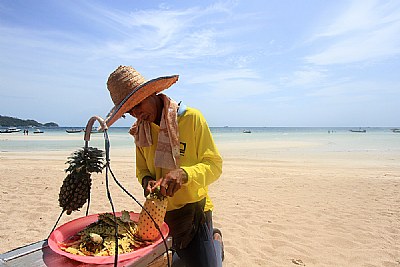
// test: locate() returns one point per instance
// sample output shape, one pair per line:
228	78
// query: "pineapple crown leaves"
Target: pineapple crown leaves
88	159
156	194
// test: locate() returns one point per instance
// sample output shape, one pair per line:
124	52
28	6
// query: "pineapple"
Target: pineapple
75	190
156	205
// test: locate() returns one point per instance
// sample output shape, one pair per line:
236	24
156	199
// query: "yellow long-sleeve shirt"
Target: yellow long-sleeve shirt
199	157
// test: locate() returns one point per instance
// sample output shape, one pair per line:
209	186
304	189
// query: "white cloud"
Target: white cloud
304	77
223	75
229	86
367	30
241	90
163	33
154	34
375	45
351	90
359	15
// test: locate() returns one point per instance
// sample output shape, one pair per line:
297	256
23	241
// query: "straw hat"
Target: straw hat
128	88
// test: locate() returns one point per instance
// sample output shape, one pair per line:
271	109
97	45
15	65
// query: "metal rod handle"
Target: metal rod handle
89	126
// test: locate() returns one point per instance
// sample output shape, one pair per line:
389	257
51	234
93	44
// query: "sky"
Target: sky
241	63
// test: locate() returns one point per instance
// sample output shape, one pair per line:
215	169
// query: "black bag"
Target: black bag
183	223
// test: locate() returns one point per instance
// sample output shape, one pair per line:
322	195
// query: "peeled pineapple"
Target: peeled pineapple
156	205
75	190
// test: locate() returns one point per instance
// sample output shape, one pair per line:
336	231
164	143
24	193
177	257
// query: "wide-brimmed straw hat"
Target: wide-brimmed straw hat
128	88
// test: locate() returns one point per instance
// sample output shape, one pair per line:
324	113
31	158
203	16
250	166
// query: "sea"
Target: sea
379	139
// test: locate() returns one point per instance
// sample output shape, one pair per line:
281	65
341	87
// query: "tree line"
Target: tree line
6	121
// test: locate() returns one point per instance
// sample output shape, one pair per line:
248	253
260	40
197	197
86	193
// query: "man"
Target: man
175	152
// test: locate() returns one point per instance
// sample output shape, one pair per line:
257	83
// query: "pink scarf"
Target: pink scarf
167	151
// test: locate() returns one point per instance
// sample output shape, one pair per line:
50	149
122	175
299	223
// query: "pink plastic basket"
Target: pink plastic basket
69	229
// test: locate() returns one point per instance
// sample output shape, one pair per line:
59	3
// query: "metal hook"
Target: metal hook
89	127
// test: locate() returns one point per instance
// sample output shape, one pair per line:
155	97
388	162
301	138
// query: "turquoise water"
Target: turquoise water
328	139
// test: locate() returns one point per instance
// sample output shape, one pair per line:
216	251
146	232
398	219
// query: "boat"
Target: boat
396	130
74	130
358	131
94	131
10	130
246	131
37	131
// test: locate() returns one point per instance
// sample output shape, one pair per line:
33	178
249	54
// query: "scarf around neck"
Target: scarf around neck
167	151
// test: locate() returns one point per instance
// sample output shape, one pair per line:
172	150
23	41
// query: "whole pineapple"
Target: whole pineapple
75	190
156	205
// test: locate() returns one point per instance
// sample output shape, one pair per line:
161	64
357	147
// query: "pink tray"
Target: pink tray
69	229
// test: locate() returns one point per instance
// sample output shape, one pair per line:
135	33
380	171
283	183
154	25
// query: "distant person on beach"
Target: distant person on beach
175	151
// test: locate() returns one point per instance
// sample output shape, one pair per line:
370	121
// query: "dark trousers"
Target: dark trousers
202	251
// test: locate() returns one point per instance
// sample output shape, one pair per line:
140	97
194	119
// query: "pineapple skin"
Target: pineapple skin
157	209
75	190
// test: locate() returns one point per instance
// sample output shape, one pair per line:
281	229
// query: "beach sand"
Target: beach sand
275	206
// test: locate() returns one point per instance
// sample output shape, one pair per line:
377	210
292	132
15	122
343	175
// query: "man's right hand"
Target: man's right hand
148	183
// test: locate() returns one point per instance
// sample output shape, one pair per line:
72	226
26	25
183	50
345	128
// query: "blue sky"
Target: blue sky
242	63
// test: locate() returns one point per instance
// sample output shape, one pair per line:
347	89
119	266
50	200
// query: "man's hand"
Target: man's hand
172	182
148	184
